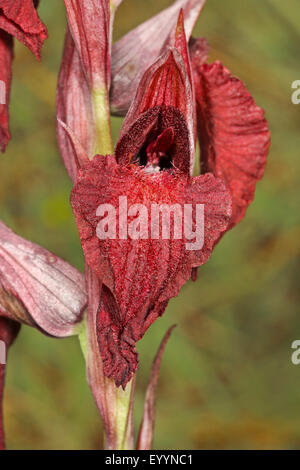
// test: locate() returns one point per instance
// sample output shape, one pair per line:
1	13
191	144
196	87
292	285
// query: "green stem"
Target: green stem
123	418
103	138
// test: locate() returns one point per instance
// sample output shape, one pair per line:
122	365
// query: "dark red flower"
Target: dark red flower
19	19
153	165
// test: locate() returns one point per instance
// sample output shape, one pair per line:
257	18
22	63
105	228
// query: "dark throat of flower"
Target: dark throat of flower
156	155
158	140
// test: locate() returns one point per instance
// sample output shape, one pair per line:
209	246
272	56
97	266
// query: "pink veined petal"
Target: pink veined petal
89	23
37	287
85	68
233	133
137	50
74	108
140	276
6	55
20	19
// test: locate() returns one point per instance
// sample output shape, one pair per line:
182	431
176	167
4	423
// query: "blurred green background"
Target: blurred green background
227	380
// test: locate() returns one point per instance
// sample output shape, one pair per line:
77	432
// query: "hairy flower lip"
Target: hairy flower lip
140	276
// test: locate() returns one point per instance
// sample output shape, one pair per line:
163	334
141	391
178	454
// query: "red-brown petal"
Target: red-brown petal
140	275
20	19
233	133
38	288
6	55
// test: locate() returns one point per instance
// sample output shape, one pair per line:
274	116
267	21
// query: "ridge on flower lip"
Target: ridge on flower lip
140	276
157	151
38	288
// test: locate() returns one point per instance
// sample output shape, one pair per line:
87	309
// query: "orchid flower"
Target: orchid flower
158	76
160	79
153	163
18	19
